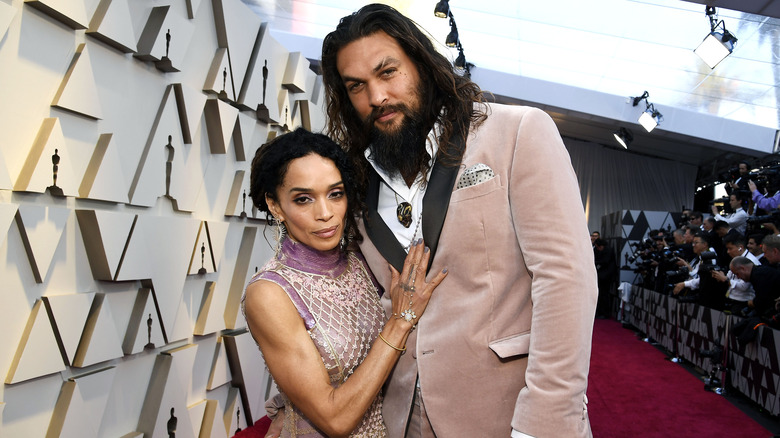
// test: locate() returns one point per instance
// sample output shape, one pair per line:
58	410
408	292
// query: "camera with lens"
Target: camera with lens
772	216
715	354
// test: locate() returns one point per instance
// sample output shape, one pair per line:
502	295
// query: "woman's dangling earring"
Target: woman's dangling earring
279	232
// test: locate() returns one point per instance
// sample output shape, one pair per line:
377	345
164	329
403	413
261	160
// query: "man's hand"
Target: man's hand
771	227
678	288
719	275
752	186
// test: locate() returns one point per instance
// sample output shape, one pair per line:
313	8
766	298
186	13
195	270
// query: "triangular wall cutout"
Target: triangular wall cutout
196	412
263	82
218	77
232	421
220	120
111	24
7	13
200	261
212	425
41	229
149	181
37	172
105	236
100	341
234	21
167	394
203	310
104	179
220	369
82	399
78	90
144	328
217	234
38	353
190	104
244	357
237	198
7	214
69	316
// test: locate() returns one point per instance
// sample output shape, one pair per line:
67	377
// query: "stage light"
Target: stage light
452	37
624	137
650	118
718	44
442	9
460	61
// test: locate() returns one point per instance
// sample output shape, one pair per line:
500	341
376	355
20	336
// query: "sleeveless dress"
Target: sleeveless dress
338	301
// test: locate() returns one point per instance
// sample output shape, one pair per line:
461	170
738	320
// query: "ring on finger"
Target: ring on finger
408	315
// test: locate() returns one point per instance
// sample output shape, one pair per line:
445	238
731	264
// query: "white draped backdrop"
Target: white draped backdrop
613	180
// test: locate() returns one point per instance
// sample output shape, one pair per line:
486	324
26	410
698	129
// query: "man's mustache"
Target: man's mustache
382	110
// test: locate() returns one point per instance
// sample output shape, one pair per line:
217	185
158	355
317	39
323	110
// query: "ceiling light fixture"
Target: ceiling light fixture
624	137
650	117
442	9
452	37
718	44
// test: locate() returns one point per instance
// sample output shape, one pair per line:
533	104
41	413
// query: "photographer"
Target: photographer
762	201
754	246
683	241
696	219
607	269
740	292
771	247
738	219
765	281
739	180
704	261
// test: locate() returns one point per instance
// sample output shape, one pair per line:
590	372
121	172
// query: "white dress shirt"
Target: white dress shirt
736	220
393	191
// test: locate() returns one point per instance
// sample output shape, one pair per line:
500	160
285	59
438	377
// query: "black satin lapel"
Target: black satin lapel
383	239
437	198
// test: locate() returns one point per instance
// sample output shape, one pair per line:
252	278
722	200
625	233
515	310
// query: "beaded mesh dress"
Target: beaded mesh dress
339	304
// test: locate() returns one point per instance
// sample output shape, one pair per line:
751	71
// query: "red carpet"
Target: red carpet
634	392
258	430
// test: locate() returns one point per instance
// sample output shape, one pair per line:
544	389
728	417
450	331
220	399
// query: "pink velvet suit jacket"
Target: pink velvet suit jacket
506	339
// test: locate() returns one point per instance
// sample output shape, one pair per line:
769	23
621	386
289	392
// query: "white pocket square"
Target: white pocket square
476	174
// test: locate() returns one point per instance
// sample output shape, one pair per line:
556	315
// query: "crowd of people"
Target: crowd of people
729	260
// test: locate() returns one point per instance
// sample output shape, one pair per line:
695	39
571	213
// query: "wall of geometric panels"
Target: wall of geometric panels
627	227
126	238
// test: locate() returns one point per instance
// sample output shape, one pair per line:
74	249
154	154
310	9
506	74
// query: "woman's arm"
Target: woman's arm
297	367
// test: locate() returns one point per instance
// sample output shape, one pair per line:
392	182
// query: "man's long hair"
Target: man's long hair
451	99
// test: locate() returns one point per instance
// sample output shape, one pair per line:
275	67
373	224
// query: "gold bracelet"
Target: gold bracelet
402	350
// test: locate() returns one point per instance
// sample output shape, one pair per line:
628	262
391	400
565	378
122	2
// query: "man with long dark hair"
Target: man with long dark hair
504	347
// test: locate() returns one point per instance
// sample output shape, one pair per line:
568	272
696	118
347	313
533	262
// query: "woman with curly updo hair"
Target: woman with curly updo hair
314	308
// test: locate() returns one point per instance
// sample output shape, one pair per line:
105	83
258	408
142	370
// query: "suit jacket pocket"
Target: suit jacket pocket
511	346
476	190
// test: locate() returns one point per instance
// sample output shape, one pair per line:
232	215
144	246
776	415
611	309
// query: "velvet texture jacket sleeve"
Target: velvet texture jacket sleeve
542	185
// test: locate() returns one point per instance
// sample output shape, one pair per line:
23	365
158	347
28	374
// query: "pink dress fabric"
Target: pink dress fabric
337	298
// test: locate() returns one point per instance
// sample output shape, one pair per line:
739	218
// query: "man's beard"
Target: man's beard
400	151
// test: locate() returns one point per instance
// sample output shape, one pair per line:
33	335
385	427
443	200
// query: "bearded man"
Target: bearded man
504	346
